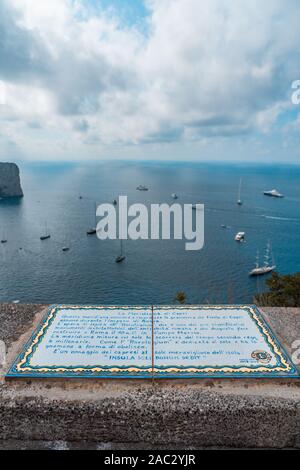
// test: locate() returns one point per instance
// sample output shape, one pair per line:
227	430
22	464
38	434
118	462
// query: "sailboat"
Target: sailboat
266	268
93	230
4	239
121	256
239	201
47	234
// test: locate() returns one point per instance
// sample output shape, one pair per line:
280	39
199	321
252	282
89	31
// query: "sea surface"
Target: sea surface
154	271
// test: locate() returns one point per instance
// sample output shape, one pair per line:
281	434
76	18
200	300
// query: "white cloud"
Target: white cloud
204	69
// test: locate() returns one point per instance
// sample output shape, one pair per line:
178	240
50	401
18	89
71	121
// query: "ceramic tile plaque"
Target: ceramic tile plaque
146	342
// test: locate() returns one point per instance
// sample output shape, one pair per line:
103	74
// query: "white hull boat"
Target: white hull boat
273	193
266	268
240	237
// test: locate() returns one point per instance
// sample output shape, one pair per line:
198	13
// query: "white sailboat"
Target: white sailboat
121	256
239	201
267	267
47	234
93	230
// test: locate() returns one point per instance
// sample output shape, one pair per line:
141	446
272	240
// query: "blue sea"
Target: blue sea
154	271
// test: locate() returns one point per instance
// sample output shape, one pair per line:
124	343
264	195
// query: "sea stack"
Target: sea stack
10	185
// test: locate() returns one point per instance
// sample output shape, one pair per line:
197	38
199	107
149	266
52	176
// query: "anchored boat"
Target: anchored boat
240	237
273	193
266	268
47	234
239	201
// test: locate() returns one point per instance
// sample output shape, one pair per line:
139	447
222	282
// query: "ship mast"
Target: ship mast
267	255
257	260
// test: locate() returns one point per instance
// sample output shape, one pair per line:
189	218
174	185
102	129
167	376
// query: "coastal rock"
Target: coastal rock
10	185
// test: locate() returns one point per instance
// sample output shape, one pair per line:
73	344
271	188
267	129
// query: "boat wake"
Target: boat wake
273	217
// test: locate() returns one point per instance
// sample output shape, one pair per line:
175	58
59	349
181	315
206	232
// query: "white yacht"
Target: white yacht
240	237
142	188
273	193
266	268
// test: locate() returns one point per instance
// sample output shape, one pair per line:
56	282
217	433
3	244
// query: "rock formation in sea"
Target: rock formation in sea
10	185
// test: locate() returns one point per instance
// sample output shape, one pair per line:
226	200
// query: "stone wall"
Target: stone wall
130	414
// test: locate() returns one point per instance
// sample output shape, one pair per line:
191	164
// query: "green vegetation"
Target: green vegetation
284	291
180	298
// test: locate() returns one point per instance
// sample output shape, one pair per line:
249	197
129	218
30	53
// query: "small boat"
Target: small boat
66	248
240	237
273	193
196	208
174	196
142	188
80	197
4	239
93	230
115	202
239	201
121	256
44	237
225	226
47	234
266	268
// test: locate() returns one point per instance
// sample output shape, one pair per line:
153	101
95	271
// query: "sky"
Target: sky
199	80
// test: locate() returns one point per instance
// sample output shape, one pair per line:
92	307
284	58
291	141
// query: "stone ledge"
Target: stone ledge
167	414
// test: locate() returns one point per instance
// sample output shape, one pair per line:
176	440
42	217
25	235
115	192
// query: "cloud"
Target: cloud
22	57
81	125
209	69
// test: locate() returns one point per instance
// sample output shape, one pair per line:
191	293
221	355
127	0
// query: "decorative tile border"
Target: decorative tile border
284	367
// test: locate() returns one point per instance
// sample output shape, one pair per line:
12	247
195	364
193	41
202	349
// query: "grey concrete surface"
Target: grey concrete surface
130	414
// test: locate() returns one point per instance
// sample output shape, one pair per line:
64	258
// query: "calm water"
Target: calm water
154	270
